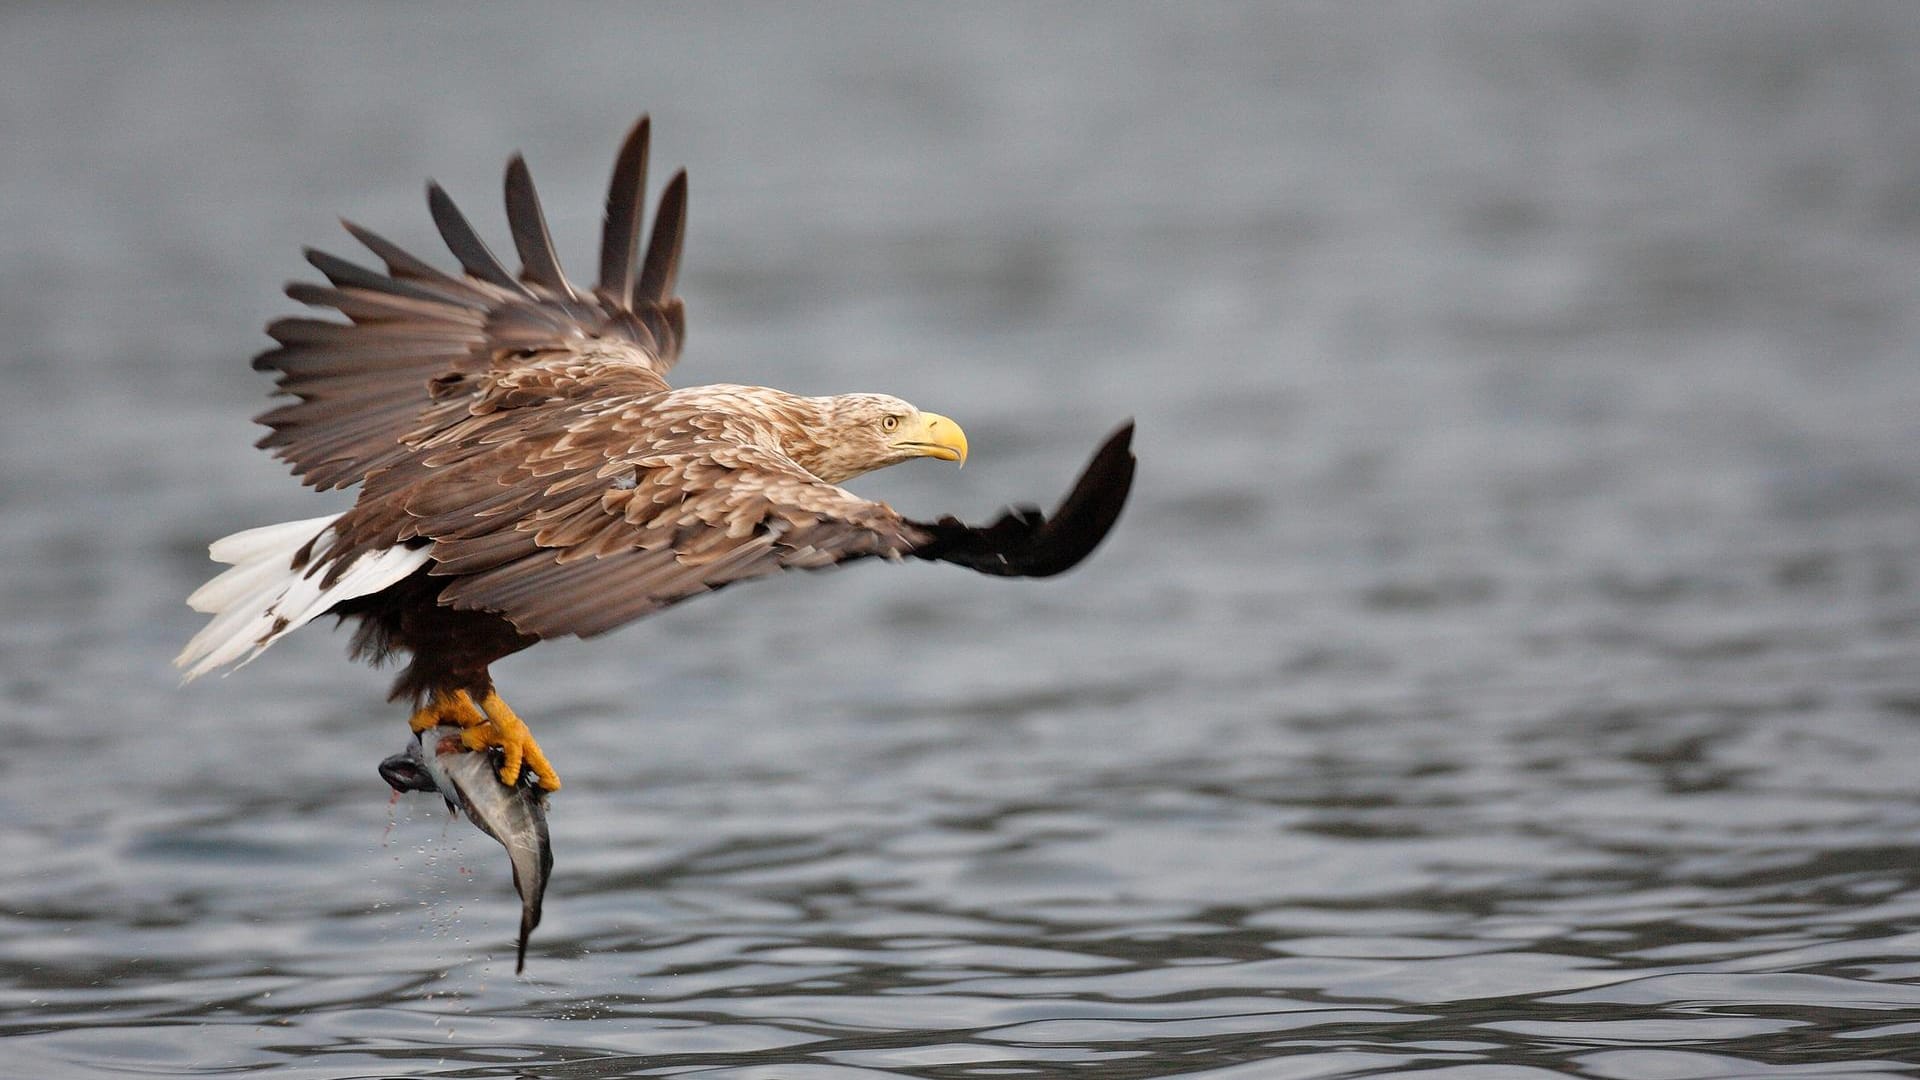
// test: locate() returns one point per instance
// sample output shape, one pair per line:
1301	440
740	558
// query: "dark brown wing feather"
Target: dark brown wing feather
626	199
419	338
662	265
539	263
474	255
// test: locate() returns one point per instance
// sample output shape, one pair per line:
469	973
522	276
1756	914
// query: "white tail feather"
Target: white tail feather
263	598
255	555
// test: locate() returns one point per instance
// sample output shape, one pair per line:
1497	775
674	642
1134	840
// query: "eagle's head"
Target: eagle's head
864	432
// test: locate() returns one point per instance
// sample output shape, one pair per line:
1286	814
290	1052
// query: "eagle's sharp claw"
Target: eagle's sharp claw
498	726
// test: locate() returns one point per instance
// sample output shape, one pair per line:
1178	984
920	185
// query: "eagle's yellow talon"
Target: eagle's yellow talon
488	724
498	725
542	771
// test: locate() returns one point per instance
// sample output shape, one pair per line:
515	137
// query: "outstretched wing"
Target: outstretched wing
1024	542
417	335
574	519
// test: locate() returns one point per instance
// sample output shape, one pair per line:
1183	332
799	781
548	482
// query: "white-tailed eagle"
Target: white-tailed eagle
525	470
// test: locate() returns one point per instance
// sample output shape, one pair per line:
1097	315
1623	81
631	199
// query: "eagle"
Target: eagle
525	471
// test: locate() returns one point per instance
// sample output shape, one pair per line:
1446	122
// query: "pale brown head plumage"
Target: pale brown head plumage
844	436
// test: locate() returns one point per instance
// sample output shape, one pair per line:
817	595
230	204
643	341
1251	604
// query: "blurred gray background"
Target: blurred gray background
1506	665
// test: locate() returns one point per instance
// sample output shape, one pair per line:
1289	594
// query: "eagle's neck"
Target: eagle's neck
802	428
807	433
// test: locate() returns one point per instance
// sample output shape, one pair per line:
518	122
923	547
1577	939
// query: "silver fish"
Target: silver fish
469	780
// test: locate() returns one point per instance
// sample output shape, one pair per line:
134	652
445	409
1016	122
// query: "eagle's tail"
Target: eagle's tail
263	596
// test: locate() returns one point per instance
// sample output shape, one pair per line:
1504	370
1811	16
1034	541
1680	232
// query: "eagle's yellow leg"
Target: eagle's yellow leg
489	723
455	708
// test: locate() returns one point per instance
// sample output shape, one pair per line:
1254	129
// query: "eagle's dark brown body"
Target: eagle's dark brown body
447	649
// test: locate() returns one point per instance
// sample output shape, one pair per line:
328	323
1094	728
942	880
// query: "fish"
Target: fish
435	760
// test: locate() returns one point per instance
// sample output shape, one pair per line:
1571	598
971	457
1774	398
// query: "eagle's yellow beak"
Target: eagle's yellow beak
935	436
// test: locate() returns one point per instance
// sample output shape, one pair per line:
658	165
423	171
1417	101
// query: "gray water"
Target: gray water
1508	667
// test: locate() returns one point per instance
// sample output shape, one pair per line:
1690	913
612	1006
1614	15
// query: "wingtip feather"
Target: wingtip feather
465	243
626	201
662	265
539	263
1025	543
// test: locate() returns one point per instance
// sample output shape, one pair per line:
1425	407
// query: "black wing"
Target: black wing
1026	543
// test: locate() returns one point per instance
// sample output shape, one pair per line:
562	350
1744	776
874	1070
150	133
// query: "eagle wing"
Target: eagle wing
419	339
574	516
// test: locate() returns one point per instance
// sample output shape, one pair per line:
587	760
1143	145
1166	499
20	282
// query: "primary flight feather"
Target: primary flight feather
525	470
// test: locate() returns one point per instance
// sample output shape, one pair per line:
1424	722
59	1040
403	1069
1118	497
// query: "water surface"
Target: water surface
1506	669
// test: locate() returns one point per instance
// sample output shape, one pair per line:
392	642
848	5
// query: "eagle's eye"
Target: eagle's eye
889	423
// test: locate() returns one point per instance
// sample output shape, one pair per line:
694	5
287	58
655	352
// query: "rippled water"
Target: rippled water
1507	668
